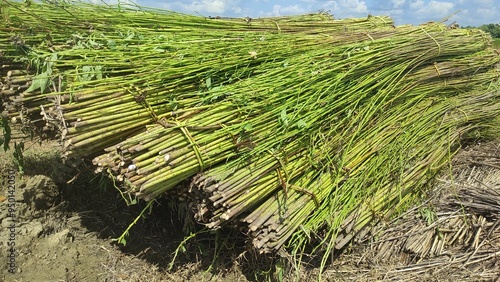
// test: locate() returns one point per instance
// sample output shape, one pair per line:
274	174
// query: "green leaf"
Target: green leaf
49	62
111	44
88	72
86	69
98	72
94	44
283	117
130	36
208	82
301	124
19	156
6	134
279	270
39	82
53	58
247	127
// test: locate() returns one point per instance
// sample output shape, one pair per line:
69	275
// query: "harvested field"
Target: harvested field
72	239
257	149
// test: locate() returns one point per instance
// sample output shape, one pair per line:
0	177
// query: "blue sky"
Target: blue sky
472	12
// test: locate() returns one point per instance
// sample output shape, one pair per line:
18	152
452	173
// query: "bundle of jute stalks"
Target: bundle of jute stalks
158	61
303	129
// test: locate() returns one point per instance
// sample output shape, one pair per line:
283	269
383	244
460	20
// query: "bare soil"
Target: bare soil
63	222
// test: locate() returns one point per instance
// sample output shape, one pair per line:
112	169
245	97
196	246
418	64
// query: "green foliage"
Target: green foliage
43	79
18	146
493	29
5	140
428	214
121	239
279	270
89	73
182	248
496	43
19	156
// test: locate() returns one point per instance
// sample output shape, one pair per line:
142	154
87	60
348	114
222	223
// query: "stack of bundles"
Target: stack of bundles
142	63
305	129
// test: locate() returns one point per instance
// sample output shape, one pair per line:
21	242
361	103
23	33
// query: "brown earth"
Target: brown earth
64	220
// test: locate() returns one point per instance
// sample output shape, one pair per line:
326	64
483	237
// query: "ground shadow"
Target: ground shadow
160	234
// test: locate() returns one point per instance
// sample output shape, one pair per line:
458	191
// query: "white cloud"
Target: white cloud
348	8
398	3
484	3
205	7
279	10
354	5
473	12
419	4
491	14
396	13
432	11
442	8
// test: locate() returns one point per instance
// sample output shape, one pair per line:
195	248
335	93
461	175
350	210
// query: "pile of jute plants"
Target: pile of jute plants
301	130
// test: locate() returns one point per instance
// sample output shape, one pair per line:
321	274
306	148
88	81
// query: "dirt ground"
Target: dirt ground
58	224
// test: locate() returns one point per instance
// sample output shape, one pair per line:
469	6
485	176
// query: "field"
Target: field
496	43
67	220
